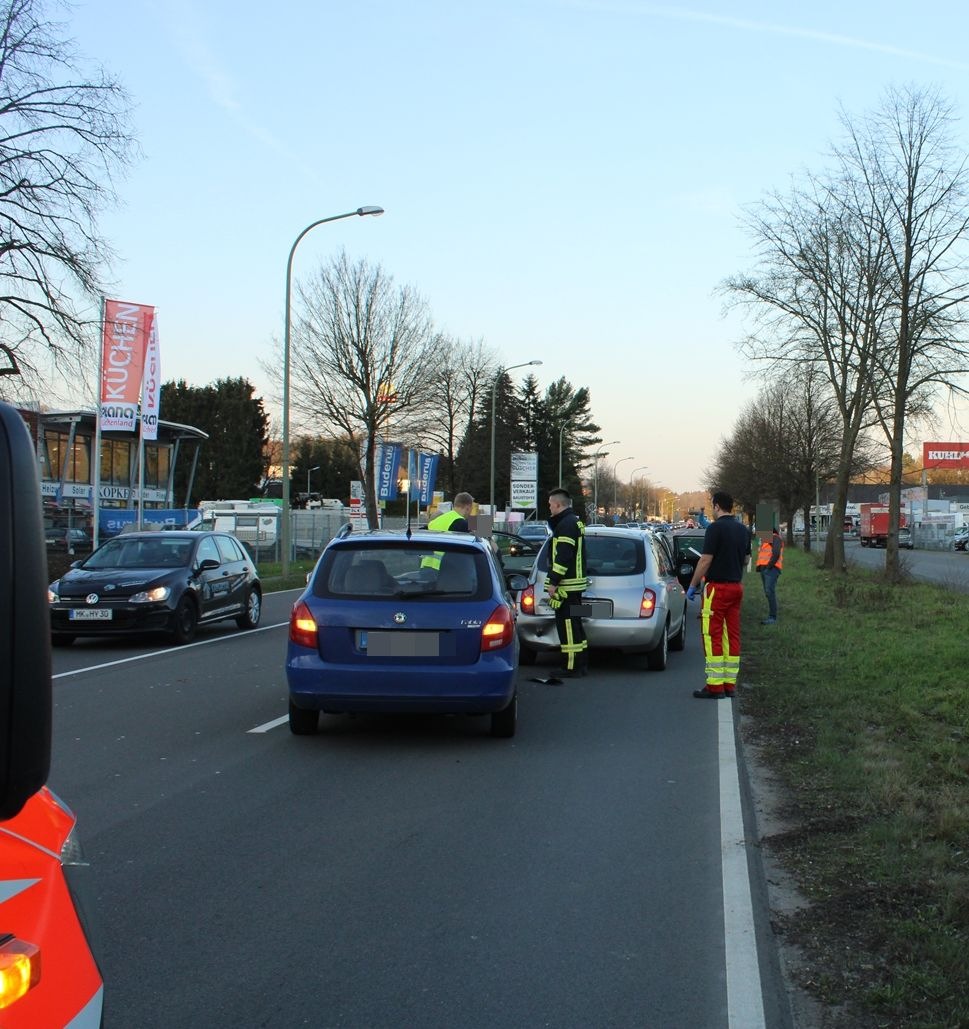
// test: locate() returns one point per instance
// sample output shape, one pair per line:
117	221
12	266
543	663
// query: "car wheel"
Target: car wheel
526	656
186	622
504	722
250	619
303	721
656	658
61	639
678	642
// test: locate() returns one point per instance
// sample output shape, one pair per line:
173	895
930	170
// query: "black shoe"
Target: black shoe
705	694
572	673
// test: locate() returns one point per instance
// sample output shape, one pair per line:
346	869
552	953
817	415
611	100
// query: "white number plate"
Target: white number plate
90	614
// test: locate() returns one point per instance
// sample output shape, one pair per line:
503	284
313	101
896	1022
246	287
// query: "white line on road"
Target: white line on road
168	650
745	1002
266	726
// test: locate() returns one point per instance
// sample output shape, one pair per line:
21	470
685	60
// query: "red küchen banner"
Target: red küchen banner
125	338
945	455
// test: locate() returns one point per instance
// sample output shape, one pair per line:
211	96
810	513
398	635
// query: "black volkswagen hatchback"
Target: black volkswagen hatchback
167	582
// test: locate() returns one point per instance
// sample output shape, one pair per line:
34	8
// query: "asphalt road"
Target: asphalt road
948	568
409	871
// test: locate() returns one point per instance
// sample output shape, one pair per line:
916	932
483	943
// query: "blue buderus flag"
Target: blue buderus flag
388	465
427	466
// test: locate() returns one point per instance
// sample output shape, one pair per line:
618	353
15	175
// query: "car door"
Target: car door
235	567
214	583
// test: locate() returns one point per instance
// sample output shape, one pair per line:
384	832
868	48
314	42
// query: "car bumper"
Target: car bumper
629	635
487	685
130	618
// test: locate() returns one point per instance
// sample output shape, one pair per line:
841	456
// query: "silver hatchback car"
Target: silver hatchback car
635	602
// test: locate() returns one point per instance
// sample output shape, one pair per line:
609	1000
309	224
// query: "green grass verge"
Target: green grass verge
859	700
273	580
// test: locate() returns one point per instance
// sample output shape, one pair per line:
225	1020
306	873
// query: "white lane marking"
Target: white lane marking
169	650
745	1002
266	726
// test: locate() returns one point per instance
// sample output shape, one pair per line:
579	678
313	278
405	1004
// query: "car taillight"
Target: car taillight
302	627
19	970
648	606
499	630
526	601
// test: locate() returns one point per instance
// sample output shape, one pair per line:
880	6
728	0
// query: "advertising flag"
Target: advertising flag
123	343
388	465
945	455
151	387
427	473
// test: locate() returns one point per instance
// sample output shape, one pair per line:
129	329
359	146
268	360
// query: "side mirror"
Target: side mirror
25	663
516	583
207	564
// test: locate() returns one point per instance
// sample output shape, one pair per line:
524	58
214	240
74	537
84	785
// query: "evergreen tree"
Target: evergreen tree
230	460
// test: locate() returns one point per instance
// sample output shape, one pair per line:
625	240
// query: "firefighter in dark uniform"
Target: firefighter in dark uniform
566	581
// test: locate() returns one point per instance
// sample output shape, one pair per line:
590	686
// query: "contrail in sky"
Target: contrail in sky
681	14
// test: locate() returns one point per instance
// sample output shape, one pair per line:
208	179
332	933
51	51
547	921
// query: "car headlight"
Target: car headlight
155	596
52	595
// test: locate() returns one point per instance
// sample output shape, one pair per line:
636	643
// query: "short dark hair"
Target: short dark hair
723	500
563	494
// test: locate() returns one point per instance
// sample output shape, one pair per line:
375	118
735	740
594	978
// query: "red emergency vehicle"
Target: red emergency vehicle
48	974
873	531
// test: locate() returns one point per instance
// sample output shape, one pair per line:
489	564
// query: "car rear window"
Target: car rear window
405	570
607	555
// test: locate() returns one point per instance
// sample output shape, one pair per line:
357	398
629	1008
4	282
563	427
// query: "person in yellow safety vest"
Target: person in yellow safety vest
455	520
770	561
566	582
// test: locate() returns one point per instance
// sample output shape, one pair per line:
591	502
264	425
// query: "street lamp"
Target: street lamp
360	211
615	482
632	479
494	392
315	468
595	476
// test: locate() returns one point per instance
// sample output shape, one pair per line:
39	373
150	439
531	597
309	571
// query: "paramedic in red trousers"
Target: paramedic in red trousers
770	561
726	547
566	581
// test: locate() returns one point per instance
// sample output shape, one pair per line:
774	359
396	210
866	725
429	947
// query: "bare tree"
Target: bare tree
363	356
913	185
462	377
63	136
822	299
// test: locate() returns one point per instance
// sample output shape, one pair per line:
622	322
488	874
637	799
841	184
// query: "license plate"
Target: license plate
90	614
400	644
594	608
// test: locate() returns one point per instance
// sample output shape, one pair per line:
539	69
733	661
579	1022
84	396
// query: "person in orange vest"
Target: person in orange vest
770	561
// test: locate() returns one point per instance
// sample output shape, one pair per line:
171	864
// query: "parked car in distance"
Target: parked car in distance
399	622
961	539
533	531
905	539
635	602
165	582
59	537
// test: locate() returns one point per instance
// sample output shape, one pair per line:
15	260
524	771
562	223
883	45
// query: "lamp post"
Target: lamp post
615	482
360	211
632	477
494	393
595	476
315	468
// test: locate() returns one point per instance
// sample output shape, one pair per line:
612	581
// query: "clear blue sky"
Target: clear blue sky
562	178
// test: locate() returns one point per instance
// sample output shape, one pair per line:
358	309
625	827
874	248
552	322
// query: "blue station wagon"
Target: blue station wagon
404	622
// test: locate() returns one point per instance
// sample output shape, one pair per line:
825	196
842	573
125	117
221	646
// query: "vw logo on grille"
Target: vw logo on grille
400	618
91	598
